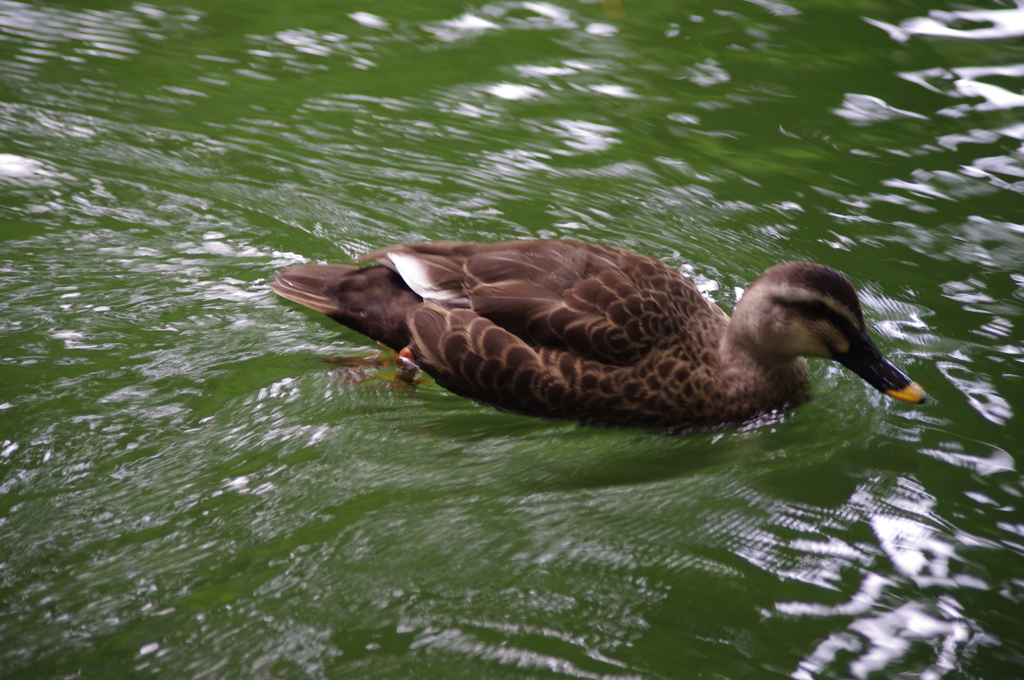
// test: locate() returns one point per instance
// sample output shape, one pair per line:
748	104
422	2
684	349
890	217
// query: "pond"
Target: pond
189	490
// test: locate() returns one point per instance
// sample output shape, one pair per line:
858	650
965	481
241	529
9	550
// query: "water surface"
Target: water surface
188	490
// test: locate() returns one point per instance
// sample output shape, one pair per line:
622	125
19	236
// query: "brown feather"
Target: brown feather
372	300
571	330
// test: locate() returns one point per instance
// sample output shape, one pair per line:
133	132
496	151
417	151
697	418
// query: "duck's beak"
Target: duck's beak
864	359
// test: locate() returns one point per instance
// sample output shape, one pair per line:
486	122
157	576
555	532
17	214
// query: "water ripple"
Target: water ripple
47	33
999	24
186	488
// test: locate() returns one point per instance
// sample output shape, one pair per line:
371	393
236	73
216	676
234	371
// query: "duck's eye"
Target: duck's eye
819	308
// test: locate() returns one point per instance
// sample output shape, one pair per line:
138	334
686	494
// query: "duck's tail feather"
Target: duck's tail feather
371	300
309	285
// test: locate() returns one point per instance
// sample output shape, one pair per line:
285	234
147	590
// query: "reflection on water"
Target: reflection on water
185	489
997	24
47	33
977	239
903	525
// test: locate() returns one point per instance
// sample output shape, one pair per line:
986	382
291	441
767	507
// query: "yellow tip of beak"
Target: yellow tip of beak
912	393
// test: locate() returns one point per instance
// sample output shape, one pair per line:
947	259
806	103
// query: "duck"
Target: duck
563	329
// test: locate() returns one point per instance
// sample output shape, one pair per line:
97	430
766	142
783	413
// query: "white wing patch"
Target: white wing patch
416	275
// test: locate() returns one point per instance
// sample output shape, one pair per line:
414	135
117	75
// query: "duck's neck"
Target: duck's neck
757	377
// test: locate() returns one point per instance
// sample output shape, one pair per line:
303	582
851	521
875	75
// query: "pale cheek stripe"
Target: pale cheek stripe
794	294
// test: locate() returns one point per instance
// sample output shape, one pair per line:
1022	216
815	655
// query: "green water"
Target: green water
187	490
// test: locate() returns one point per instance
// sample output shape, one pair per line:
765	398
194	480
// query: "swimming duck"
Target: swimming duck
563	329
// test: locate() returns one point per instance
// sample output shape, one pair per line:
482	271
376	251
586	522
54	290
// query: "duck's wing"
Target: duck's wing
595	302
475	358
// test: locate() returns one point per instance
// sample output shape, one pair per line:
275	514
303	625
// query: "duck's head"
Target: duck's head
800	309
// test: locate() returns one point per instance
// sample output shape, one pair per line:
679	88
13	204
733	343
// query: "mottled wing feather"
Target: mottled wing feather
600	303
473	357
